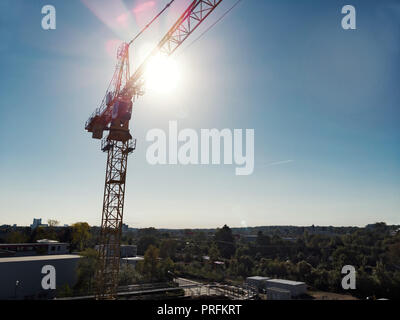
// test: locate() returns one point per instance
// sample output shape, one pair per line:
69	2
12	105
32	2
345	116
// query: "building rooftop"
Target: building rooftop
47	241
40	258
258	278
284	281
133	258
32	243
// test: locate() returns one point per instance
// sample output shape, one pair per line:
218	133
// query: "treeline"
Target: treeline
314	258
79	235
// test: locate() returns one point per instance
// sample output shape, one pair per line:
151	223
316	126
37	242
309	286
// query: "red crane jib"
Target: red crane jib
187	23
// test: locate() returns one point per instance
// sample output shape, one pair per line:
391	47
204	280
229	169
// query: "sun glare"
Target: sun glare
162	75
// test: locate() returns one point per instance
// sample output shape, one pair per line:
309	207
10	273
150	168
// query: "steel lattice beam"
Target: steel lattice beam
188	22
111	222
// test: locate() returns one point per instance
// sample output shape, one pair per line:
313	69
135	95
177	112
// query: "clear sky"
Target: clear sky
324	103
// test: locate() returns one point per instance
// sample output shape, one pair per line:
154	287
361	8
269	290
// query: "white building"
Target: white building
132	261
278	294
41	247
128	254
294	287
257	282
36	223
127	251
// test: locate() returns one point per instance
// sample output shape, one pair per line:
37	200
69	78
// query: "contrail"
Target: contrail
277	163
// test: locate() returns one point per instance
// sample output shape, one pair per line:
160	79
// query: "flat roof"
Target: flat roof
258	278
40	258
133	258
283	281
30	244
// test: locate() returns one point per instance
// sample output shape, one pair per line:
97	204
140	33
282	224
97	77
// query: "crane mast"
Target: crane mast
114	115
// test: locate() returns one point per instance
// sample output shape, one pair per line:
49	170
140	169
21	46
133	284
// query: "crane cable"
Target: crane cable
151	22
210	27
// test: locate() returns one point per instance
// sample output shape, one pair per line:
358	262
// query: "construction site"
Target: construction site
307	213
110	123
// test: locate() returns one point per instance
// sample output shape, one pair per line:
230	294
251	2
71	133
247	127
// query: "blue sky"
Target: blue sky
324	104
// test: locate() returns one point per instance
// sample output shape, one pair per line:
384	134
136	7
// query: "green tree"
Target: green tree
128	275
200	236
80	234
167	269
393	254
86	271
145	242
168	248
43	233
17	237
53	223
304	270
65	291
214	253
244	266
225	242
149	267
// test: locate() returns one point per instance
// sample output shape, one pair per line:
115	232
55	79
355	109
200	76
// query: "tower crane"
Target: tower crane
113	116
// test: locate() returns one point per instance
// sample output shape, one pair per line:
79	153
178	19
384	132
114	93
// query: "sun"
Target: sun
162	74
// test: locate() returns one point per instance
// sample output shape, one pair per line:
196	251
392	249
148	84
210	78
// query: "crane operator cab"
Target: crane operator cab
121	114
122	110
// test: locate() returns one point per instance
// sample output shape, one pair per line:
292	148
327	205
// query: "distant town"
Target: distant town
266	262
